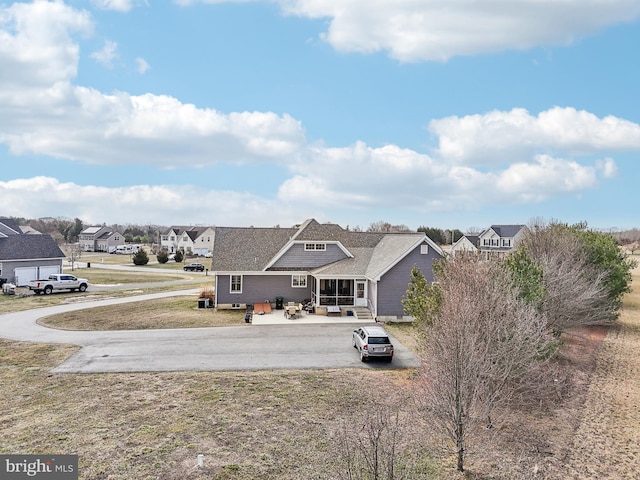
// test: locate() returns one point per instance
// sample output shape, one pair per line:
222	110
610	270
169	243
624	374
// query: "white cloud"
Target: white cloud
390	177
498	136
117	5
425	30
143	66
51	116
160	204
36	45
496	158
107	55
437	30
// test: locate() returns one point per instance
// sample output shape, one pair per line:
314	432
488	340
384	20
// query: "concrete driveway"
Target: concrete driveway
245	347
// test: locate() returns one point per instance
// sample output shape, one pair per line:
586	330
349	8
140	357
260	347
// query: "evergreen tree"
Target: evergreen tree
141	258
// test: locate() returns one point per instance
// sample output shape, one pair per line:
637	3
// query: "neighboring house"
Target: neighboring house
28	230
100	239
500	239
323	263
466	243
197	240
26	257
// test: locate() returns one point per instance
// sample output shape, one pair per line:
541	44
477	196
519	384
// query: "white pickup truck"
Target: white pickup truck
58	281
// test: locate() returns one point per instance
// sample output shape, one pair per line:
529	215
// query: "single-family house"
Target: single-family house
361	273
466	243
500	239
26	257
100	239
198	240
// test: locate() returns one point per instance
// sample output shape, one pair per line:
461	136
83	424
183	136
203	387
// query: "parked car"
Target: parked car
194	267
372	341
58	281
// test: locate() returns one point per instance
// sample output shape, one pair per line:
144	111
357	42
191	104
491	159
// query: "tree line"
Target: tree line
488	324
64	230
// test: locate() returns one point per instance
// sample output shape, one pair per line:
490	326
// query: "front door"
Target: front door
361	293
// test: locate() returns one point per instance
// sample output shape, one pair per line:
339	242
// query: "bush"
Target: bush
179	256
162	257
141	258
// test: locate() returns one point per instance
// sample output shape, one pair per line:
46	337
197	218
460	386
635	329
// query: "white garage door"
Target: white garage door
25	274
46	271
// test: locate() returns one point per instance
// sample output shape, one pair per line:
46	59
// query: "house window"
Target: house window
506	242
299	281
236	284
424	249
165	238
315	246
0	269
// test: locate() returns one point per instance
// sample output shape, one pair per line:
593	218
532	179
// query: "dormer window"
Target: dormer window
315	247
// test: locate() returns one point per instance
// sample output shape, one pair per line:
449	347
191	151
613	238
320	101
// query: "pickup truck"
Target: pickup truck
58	281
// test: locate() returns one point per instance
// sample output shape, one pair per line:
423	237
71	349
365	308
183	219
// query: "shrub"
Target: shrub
141	258
162	256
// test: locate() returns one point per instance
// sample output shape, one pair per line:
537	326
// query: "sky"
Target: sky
440	113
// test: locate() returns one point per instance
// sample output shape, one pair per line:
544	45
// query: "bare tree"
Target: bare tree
483	338
386	227
379	443
575	291
75	252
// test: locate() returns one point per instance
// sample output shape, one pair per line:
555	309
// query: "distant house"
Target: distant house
500	239
25	257
28	230
365	273
100	239
198	240
466	243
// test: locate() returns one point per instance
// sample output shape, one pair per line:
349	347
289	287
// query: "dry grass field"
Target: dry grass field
583	424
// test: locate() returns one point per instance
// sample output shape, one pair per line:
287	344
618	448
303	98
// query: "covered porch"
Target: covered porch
341	292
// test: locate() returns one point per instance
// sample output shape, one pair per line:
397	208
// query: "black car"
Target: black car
194	267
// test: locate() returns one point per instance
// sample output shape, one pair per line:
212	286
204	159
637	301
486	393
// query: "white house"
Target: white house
500	239
197	240
466	243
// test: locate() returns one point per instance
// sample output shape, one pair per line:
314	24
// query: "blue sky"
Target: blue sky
438	113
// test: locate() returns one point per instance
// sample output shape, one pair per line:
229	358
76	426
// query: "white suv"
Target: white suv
372	341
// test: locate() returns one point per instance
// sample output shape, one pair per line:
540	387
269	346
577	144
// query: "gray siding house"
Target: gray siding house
321	263
100	239
26	257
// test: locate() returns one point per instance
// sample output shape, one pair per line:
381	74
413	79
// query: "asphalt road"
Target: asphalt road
245	347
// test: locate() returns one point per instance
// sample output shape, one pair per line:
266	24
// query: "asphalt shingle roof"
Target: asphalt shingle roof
506	231
9	227
29	247
251	249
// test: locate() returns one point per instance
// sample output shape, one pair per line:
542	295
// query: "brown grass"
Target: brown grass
280	425
172	312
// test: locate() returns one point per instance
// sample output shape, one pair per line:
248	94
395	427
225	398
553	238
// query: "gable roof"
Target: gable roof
9	227
29	247
28	230
505	231
254	249
240	249
472	239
